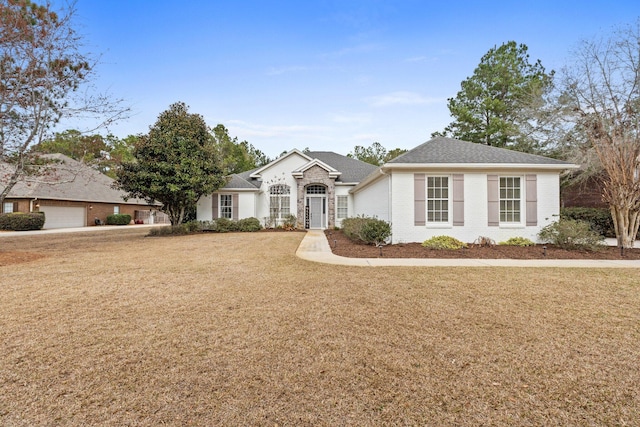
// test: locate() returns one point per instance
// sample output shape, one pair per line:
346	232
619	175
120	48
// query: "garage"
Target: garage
63	217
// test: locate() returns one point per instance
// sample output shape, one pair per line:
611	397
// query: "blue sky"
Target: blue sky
328	75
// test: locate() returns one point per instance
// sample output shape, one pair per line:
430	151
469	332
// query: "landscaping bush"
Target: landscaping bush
444	242
169	230
224	225
517	241
20	221
375	231
572	234
118	219
249	224
290	222
599	219
368	230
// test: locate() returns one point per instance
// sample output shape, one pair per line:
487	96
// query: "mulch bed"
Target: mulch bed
343	246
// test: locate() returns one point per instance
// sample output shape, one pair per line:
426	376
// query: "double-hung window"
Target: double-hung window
437	199
510	199
279	201
342	207
7	207
226	206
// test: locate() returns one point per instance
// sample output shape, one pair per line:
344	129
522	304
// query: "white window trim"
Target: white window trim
338	207
523	198
7	207
221	206
439	224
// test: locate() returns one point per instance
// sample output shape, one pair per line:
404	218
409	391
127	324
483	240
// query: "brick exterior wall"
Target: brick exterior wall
316	175
587	194
94	210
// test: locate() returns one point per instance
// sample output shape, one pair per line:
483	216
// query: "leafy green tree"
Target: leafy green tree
237	156
43	77
175	164
101	153
499	104
375	154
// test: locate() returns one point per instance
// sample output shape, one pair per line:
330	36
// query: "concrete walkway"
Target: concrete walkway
75	229
315	247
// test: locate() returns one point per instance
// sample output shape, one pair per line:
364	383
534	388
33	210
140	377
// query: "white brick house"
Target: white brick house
312	186
442	187
464	190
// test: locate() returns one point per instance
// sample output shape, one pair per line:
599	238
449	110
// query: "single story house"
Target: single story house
442	187
312	186
464	190
72	194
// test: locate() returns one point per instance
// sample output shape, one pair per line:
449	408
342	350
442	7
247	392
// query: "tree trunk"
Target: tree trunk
625	222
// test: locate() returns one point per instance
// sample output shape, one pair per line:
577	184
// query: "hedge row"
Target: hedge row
20	221
118	219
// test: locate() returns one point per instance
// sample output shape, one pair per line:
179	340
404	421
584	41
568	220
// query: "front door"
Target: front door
316	212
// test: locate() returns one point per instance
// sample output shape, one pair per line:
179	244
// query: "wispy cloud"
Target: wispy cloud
255	129
402	98
345	118
276	71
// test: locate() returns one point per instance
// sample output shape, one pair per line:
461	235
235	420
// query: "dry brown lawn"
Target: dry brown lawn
114	328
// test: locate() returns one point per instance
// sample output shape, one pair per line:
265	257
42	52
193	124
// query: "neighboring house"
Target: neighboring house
312	186
71	194
464	190
586	193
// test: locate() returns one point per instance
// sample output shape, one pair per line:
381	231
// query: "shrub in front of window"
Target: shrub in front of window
118	219
375	231
517	241
249	224
290	222
224	225
20	221
572	235
372	231
351	227
444	242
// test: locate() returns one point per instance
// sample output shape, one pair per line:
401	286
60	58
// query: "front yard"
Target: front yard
114	328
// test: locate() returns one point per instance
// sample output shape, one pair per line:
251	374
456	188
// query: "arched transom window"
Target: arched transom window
316	189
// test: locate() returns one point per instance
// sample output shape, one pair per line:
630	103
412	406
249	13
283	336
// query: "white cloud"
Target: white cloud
273	71
402	98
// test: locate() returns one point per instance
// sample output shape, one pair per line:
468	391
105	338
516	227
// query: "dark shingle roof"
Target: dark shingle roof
243	180
449	150
353	170
69	179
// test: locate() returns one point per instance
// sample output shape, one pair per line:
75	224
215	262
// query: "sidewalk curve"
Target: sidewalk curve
315	247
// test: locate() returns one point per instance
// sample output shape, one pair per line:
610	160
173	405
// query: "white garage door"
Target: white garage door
63	217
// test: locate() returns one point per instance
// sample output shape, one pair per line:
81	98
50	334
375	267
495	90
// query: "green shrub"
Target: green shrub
351	227
169	230
517	241
118	219
371	231
375	231
249	224
192	226
20	221
444	242
599	219
224	225
572	234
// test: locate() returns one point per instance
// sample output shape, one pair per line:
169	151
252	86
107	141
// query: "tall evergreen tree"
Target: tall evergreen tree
499	104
